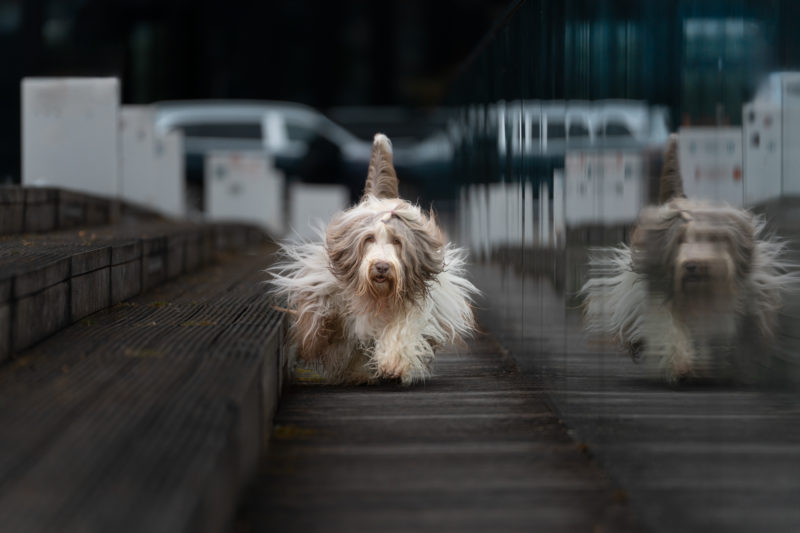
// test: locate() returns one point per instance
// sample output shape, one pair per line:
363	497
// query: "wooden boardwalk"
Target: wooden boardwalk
700	457
474	449
148	416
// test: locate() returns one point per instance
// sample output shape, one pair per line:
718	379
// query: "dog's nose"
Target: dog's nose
381	268
695	267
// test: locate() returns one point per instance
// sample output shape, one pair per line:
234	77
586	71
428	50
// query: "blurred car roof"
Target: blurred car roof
175	113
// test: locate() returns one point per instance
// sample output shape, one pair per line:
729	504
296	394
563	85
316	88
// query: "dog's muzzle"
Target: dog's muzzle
380	271
696	272
703	276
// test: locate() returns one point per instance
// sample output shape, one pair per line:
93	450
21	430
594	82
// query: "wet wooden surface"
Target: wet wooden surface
704	456
474	449
50	280
148	416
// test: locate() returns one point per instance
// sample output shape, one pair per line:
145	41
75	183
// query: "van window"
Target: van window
295	132
535	130
224	131
617	129
578	131
556	131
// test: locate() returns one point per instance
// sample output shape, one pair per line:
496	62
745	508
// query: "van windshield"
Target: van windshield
556	131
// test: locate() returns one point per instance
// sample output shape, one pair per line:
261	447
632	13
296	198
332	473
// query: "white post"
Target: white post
544	201
70	134
245	186
151	165
559	224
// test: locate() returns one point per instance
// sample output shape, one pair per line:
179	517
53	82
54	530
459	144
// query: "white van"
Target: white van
532	127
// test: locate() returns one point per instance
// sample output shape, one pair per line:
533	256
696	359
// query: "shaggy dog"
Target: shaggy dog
697	284
381	293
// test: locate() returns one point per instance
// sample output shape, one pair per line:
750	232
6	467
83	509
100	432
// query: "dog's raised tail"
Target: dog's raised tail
381	178
671	183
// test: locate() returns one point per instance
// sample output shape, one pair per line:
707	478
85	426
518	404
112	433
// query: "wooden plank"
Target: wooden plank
147	417
142	256
5	331
40	210
38	315
12	210
703	456
445	455
89	293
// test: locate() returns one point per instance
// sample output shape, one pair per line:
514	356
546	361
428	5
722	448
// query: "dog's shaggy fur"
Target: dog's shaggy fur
381	293
696	282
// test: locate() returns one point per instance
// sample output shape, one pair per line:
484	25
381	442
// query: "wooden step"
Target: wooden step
47	209
150	415
50	280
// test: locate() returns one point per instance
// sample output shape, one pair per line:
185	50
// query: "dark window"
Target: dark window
617	129
225	131
578	130
535	130
300	133
556	131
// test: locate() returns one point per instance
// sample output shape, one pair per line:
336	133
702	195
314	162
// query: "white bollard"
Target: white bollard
530	214
761	154
245	187
312	205
70	134
602	187
559	223
544	215
711	163
151	165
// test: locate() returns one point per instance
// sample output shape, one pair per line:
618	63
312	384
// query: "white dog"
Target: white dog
696	282
381	292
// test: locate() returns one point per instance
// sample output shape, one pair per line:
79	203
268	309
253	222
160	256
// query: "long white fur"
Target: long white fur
618	303
372	345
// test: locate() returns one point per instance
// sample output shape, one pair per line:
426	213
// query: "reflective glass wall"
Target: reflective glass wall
558	128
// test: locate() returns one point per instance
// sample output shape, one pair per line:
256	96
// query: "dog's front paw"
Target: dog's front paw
394	367
680	370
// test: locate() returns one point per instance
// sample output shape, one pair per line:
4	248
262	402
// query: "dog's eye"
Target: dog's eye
369	239
396	241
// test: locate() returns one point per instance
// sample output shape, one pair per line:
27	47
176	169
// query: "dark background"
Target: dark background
701	59
322	53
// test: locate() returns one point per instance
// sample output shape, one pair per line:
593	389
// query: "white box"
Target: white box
580	195
529	229
70	134
477	220
559	222
151	165
711	163
602	187
545	237
790	98
169	167
762	152
497	211
245	187
311	206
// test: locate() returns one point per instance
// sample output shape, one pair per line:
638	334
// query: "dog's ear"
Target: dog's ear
343	243
671	182
381	178
741	227
424	257
654	244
